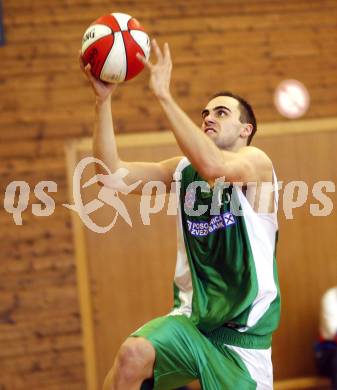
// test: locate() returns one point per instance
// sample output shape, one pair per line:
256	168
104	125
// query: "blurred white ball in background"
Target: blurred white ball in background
291	99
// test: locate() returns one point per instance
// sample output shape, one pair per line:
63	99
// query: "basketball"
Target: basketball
110	45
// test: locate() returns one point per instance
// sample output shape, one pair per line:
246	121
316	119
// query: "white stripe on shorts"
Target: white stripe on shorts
259	365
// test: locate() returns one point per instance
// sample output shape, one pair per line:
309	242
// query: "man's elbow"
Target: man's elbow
103	169
105	166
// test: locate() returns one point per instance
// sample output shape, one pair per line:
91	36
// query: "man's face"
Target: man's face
221	121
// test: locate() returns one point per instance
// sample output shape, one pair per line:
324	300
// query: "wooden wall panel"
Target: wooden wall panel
246	46
307	252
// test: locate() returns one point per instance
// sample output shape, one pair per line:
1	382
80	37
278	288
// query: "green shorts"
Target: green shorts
184	354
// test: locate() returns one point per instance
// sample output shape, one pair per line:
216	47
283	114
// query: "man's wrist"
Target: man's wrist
102	101
165	98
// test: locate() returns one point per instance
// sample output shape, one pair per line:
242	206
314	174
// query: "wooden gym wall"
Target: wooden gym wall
244	46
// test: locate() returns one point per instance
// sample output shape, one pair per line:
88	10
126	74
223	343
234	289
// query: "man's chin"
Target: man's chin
211	134
213	137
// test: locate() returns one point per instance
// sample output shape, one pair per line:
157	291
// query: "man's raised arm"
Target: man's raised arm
209	160
104	142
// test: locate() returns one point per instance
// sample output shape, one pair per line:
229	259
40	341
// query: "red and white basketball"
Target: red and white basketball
110	45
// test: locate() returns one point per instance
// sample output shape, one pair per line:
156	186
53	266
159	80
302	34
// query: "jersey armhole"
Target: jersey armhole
182	164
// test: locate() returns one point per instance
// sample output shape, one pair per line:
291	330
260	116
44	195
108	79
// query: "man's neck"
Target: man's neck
233	148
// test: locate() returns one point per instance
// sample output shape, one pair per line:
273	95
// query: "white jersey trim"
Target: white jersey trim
261	231
183	277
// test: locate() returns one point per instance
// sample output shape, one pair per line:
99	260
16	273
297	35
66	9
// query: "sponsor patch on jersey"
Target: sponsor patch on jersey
228	219
221	221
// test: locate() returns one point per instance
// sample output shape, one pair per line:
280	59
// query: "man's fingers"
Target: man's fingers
157	50
87	70
141	58
80	60
144	61
167	53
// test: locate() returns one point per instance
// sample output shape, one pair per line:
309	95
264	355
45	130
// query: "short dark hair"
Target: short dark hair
246	112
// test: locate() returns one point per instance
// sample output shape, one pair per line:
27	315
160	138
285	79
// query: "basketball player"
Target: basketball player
226	293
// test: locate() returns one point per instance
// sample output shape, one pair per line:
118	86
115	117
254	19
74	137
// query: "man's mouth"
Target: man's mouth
209	130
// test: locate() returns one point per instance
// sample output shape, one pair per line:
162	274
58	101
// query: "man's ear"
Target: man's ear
247	129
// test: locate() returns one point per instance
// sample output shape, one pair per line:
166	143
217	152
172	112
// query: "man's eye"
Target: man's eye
222	113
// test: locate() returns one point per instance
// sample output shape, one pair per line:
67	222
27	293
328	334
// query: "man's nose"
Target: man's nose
209	120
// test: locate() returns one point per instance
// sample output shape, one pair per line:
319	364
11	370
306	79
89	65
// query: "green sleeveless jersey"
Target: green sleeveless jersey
226	276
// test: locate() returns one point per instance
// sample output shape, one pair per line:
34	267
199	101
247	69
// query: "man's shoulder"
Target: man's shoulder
255	153
259	159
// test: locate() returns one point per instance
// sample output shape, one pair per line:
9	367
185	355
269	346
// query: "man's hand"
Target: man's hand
102	90
160	72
